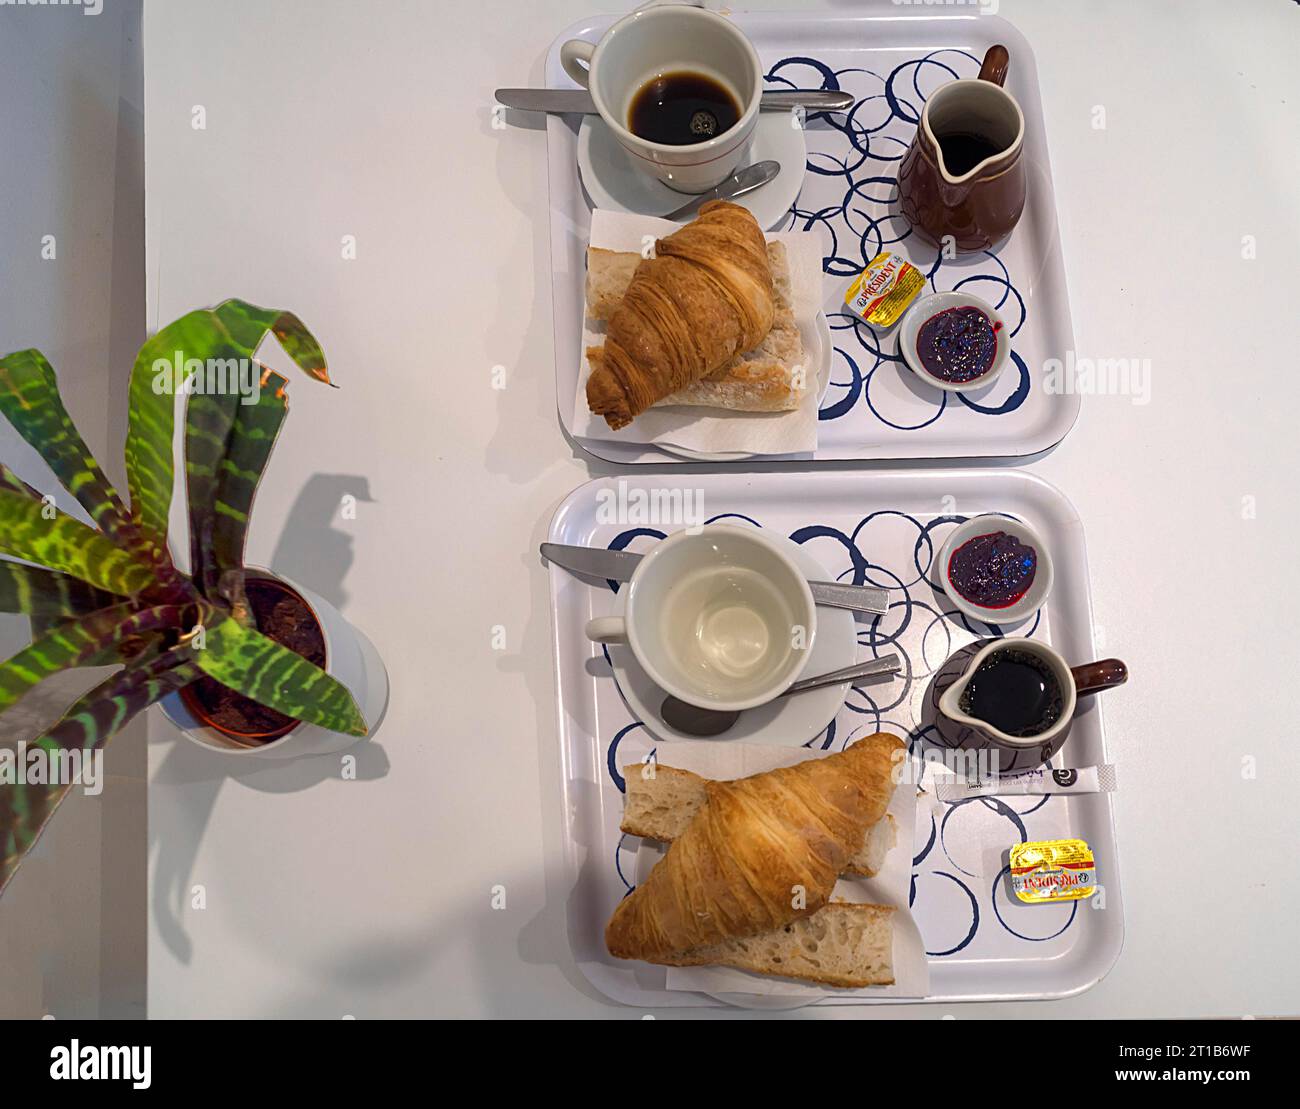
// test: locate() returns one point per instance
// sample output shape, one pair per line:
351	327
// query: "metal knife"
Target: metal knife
579	101
738	184
592	562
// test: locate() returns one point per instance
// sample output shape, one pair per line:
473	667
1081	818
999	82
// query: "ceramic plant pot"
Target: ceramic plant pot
349	657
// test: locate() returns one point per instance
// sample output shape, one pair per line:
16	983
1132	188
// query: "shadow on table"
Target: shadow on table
523	443
516	930
196	777
310	550
500	943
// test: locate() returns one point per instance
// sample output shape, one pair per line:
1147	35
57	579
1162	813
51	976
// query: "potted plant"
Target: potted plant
248	662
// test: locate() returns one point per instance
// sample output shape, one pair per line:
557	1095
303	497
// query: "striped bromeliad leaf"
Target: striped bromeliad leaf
44	593
234	329
227	444
274	676
208	423
248	324
25	809
162	369
252	436
80	642
11	481
29	399
69	546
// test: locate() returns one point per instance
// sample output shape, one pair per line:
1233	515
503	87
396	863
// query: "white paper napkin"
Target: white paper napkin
890	887
714	430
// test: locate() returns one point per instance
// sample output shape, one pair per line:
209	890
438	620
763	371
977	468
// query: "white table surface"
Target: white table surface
372	897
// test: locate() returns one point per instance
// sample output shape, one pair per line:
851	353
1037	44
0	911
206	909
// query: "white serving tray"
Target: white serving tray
982	943
875	407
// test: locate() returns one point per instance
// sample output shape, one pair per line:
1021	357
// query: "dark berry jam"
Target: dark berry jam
994	570
958	344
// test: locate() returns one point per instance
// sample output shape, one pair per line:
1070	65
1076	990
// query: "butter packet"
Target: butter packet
1053	870
882	292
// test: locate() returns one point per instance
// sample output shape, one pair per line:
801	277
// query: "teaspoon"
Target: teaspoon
693	720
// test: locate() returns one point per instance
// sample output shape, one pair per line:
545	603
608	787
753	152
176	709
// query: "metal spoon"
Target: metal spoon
693	720
738	184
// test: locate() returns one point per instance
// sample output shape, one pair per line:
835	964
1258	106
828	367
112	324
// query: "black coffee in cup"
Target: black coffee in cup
682	108
1016	692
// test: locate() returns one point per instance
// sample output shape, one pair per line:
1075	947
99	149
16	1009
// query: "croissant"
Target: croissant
706	296
760	852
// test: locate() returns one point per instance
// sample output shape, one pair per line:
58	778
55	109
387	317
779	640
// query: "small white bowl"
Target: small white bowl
1036	596
932	305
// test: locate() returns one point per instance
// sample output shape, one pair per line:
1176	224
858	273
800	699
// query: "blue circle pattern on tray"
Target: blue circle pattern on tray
851	193
941	880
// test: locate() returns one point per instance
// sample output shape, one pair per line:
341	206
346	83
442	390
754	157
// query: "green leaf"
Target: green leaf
263	671
208	421
159	374
252	437
248	324
29	399
69	546
44	593
26	809
81	642
234	329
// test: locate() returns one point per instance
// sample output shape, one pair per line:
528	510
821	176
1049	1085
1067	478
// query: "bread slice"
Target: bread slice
609	273
770	378
661	800
839	945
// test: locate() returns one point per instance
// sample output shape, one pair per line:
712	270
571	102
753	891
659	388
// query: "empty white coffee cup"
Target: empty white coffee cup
721	618
656	41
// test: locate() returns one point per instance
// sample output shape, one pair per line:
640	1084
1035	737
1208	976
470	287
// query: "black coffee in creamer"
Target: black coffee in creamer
1015	691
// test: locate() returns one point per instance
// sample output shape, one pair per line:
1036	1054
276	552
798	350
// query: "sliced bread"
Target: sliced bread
839	945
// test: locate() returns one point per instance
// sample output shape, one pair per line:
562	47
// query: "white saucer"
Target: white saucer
819	341
787	721
613	182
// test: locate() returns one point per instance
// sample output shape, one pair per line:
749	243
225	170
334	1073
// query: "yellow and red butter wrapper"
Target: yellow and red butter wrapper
882	292
1053	870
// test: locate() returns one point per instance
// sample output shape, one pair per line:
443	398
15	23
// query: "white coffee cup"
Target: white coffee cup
669	39
721	618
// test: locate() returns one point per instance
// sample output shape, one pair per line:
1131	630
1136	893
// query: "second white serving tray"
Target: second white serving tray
875	407
884	529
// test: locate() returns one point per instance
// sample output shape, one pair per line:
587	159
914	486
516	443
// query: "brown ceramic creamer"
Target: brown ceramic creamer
963	177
